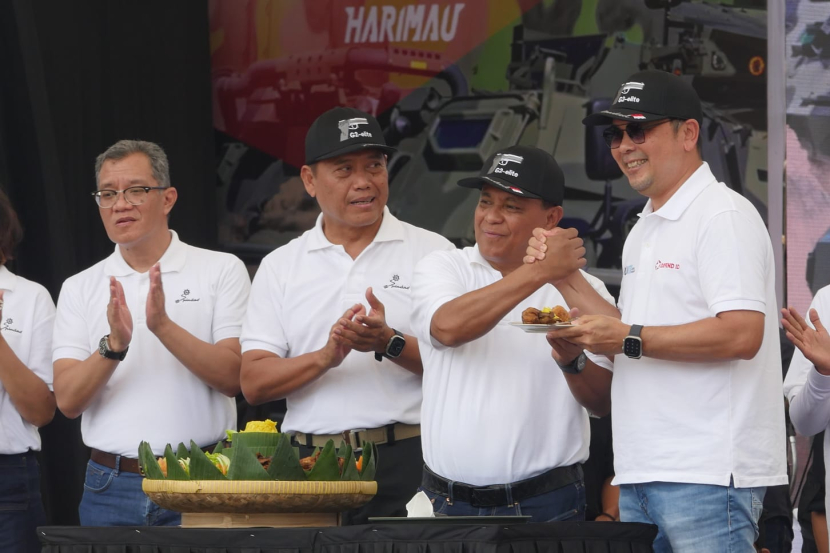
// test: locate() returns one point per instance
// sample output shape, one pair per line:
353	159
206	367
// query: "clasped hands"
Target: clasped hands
357	330
559	253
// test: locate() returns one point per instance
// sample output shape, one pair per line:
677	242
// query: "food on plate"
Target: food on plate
222	462
185	464
260	426
545	316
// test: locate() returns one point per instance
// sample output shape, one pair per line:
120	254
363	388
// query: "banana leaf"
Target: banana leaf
244	464
220	446
285	463
148	462
370	456
174	469
326	468
202	468
349	466
182	452
264	443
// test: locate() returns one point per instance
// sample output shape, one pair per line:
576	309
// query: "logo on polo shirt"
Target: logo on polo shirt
625	89
7	325
349	127
186	297
628	270
394	282
665	265
503	160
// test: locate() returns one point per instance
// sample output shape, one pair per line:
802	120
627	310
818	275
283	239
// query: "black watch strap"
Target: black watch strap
106	352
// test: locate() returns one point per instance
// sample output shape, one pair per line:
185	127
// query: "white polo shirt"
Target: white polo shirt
497	409
300	291
704	252
28	316
809	391
152	396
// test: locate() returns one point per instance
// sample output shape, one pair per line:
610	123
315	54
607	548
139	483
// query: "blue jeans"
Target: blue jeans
565	503
21	507
115	498
695	517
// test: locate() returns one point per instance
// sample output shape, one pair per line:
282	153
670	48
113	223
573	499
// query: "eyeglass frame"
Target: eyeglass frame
614	132
97	195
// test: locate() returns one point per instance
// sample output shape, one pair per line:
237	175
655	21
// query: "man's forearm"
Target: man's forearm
28	393
268	377
475	313
217	365
730	335
78	383
579	293
410	357
592	388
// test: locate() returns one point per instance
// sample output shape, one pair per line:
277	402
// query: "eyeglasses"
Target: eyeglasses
135	195
613	135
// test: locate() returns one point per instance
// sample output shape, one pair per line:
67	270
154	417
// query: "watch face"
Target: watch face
102	346
633	347
395	346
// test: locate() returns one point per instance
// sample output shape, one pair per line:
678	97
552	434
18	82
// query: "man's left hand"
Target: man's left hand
154	310
367	333
598	334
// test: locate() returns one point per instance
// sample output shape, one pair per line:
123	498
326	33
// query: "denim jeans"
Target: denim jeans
565	503
21	507
115	498
695	517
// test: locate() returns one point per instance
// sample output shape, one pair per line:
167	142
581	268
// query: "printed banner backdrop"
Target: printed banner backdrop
808	150
451	81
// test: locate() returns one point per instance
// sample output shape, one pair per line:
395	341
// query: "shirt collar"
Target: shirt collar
391	229
684	196
172	261
476	258
8	280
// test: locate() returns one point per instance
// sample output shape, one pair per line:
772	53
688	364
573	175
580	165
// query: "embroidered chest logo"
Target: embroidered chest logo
7	325
186	297
349	127
664	265
628	270
394	282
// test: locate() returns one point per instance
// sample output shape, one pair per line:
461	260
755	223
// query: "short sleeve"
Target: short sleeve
40	355
231	300
263	328
437	280
70	339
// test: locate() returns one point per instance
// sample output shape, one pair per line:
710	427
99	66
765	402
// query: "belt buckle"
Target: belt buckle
352	438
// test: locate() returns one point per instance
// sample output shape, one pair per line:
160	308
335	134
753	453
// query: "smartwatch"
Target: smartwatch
633	344
394	347
106	352
576	366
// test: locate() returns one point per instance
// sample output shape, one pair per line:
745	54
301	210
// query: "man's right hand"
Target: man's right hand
335	350
119	317
558	252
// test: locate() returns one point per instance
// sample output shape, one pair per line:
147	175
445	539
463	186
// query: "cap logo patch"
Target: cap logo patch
504	159
625	89
638	116
349	127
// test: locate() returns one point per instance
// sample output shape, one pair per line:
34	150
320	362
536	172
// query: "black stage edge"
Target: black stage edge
550	537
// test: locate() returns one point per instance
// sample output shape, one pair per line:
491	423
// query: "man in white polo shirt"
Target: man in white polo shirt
144	362
27	403
698	414
502	433
327	325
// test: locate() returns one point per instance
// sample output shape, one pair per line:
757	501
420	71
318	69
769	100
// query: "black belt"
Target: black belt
497	494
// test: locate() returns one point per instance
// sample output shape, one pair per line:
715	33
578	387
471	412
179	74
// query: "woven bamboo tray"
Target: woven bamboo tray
253	496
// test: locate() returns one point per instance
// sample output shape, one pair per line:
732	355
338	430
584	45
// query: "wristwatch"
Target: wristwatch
633	344
106	352
394	347
576	366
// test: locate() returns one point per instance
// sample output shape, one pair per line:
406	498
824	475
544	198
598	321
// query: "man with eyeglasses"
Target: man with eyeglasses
140	360
698	414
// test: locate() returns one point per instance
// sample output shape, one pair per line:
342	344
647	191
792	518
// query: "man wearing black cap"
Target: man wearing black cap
698	417
327	326
502	434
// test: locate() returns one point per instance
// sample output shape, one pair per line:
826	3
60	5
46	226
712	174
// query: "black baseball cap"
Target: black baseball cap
649	96
342	130
523	171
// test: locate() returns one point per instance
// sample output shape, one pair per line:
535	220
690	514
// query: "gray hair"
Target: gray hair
123	148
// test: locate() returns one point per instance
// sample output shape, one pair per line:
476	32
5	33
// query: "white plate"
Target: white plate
541	328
